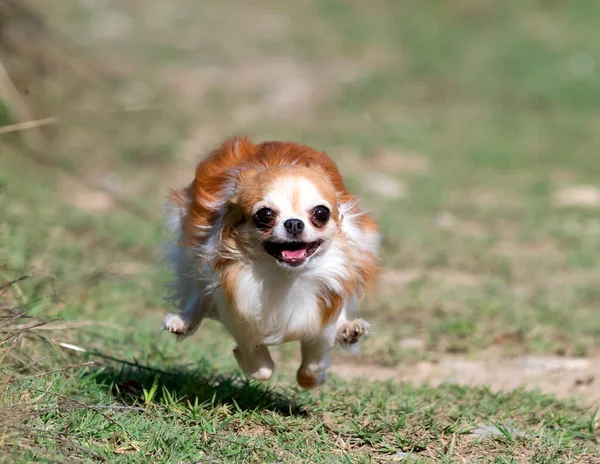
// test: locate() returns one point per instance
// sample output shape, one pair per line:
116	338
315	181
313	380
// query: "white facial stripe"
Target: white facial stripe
294	198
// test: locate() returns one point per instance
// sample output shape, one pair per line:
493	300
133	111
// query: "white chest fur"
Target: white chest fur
278	306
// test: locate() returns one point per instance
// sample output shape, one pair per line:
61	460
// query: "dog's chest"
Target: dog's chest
281	308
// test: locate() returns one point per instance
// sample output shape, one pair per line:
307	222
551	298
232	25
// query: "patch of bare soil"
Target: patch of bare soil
404	162
560	376
270	87
486	198
394	279
583	196
88	200
448	221
385	186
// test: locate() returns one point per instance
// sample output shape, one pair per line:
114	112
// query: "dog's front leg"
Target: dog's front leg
315	359
187	321
349	333
254	360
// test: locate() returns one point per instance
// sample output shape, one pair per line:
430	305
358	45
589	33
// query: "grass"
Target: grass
163	412
473	116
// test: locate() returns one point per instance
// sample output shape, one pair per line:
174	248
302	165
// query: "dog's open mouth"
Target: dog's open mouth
291	253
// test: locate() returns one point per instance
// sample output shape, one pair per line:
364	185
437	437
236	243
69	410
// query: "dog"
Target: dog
268	241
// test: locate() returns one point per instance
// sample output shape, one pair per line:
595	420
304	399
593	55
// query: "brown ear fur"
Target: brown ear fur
207	193
234	214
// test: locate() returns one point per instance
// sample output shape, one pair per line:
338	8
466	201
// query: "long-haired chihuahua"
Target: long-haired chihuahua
268	241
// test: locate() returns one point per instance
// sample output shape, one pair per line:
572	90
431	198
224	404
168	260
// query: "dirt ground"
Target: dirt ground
560	376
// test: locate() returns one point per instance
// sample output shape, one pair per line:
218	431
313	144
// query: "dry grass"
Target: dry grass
29	350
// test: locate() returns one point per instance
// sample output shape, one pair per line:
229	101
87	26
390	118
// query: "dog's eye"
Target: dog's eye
264	218
320	216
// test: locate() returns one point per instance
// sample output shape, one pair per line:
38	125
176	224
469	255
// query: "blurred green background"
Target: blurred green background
469	128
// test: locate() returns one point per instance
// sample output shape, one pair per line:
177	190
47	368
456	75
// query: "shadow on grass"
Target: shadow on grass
130	383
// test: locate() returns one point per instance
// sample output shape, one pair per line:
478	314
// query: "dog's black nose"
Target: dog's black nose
294	226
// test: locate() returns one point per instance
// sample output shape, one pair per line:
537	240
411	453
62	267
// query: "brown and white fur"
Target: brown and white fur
275	276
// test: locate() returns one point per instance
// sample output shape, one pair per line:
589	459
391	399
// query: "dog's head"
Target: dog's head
284	215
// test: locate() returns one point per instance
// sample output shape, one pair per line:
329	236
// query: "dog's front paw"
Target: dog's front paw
350	332
176	324
262	374
311	376
257	365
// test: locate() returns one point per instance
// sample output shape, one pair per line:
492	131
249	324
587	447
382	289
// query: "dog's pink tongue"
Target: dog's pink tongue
294	254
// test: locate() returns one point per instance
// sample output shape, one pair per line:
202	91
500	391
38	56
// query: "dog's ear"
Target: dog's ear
228	249
214	183
234	213
233	217
238	148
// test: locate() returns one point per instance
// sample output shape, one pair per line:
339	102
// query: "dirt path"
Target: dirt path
560	376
